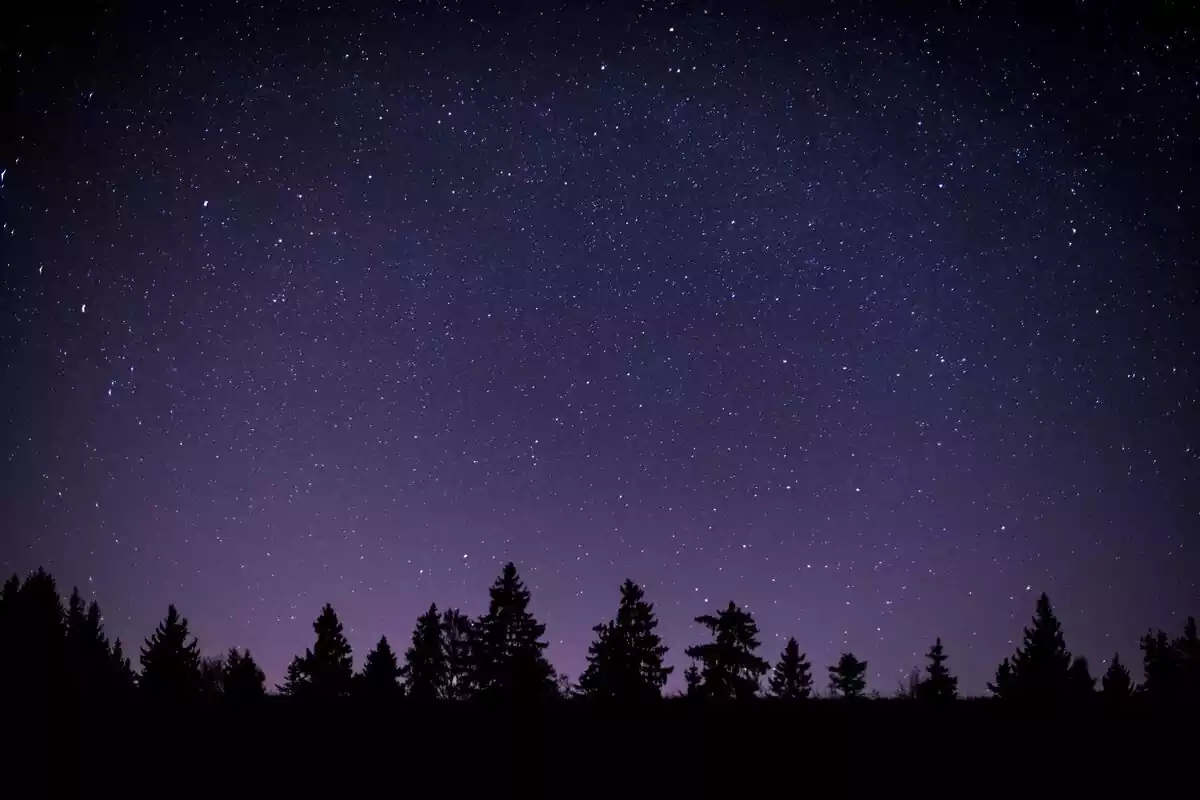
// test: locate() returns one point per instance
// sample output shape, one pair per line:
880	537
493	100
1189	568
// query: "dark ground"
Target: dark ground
973	748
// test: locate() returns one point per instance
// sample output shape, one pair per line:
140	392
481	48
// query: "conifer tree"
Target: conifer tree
1171	667
39	662
425	665
1160	667
88	653
380	677
1187	649
120	671
8	595
848	678
1003	686
170	662
9	635
244	679
730	668
692	681
457	635
212	676
1117	684
508	648
792	676
329	666
297	682
625	661
1081	683
938	683
1040	670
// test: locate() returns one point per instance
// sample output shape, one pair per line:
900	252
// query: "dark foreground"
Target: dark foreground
678	747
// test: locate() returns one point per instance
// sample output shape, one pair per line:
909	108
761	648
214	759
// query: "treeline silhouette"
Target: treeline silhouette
47	647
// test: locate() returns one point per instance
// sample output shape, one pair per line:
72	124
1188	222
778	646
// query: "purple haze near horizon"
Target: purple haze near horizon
876	326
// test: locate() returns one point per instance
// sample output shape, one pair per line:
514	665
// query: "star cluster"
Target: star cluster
875	324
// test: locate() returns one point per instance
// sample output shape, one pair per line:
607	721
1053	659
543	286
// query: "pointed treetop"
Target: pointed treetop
381	673
171	658
625	660
938	684
792	676
1117	683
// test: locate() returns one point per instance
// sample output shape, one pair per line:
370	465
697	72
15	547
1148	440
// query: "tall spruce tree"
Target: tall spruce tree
458	632
1117	683
120	670
937	684
1040	670
89	656
730	667
1171	667
792	676
508	648
39	656
1004	684
1081	684
329	665
848	677
171	660
625	661
380	677
244	679
425	666
297	682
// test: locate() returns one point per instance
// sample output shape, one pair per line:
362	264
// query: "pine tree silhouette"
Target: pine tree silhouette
1004	685
89	657
1171	667
8	595
120	671
170	662
244	680
938	684
692	681
426	671
39	662
458	632
792	676
212	676
730	668
9	636
1160	667
1187	649
1117	684
848	678
625	661
1040	670
1081	682
380	677
508	648
329	666
297	683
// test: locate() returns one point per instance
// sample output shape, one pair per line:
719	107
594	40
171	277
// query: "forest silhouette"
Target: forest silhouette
51	648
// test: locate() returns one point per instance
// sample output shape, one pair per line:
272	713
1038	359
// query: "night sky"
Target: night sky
876	324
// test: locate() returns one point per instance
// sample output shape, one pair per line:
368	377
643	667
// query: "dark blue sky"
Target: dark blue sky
878	324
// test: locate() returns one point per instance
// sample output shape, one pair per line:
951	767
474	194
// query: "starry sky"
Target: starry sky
876	321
